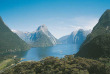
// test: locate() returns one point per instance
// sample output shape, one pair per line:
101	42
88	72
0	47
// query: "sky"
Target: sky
60	16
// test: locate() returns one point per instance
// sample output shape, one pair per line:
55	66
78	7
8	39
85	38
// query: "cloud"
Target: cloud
85	23
13	30
64	26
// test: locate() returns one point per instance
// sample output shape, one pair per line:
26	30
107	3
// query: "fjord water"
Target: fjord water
60	50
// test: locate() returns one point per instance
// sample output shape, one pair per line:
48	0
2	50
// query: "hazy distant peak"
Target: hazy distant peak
81	30
73	33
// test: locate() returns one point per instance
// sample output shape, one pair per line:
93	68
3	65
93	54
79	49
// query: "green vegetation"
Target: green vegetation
66	65
97	44
4	63
9	59
98	47
8	62
101	28
9	41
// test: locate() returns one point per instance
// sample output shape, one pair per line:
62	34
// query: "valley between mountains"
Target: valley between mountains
92	56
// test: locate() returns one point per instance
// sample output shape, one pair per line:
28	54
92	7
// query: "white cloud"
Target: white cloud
64	26
84	22
13	30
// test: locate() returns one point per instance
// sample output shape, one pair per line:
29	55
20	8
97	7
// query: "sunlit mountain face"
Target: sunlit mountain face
77	37
39	38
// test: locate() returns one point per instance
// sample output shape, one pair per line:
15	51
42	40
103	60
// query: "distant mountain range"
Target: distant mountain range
40	38
9	41
97	43
75	37
95	46
43	38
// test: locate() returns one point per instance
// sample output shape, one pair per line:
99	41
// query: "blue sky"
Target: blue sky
60	16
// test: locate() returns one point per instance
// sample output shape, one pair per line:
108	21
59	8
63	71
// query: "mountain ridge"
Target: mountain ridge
9	41
39	38
97	42
75	37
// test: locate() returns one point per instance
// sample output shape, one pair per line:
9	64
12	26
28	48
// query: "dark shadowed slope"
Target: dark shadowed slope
97	44
9	41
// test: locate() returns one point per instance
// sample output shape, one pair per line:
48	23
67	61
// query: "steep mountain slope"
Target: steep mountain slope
97	43
81	36
9	41
98	47
75	37
68	39
40	38
20	34
102	27
23	35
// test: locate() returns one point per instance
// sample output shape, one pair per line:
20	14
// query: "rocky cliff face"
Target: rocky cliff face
40	38
75	37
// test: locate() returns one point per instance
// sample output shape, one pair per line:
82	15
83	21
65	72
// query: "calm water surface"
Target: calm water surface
60	51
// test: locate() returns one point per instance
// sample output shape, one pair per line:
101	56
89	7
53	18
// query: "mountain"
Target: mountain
97	43
75	37
20	34
9	41
81	36
23	35
39	38
68	39
42	37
